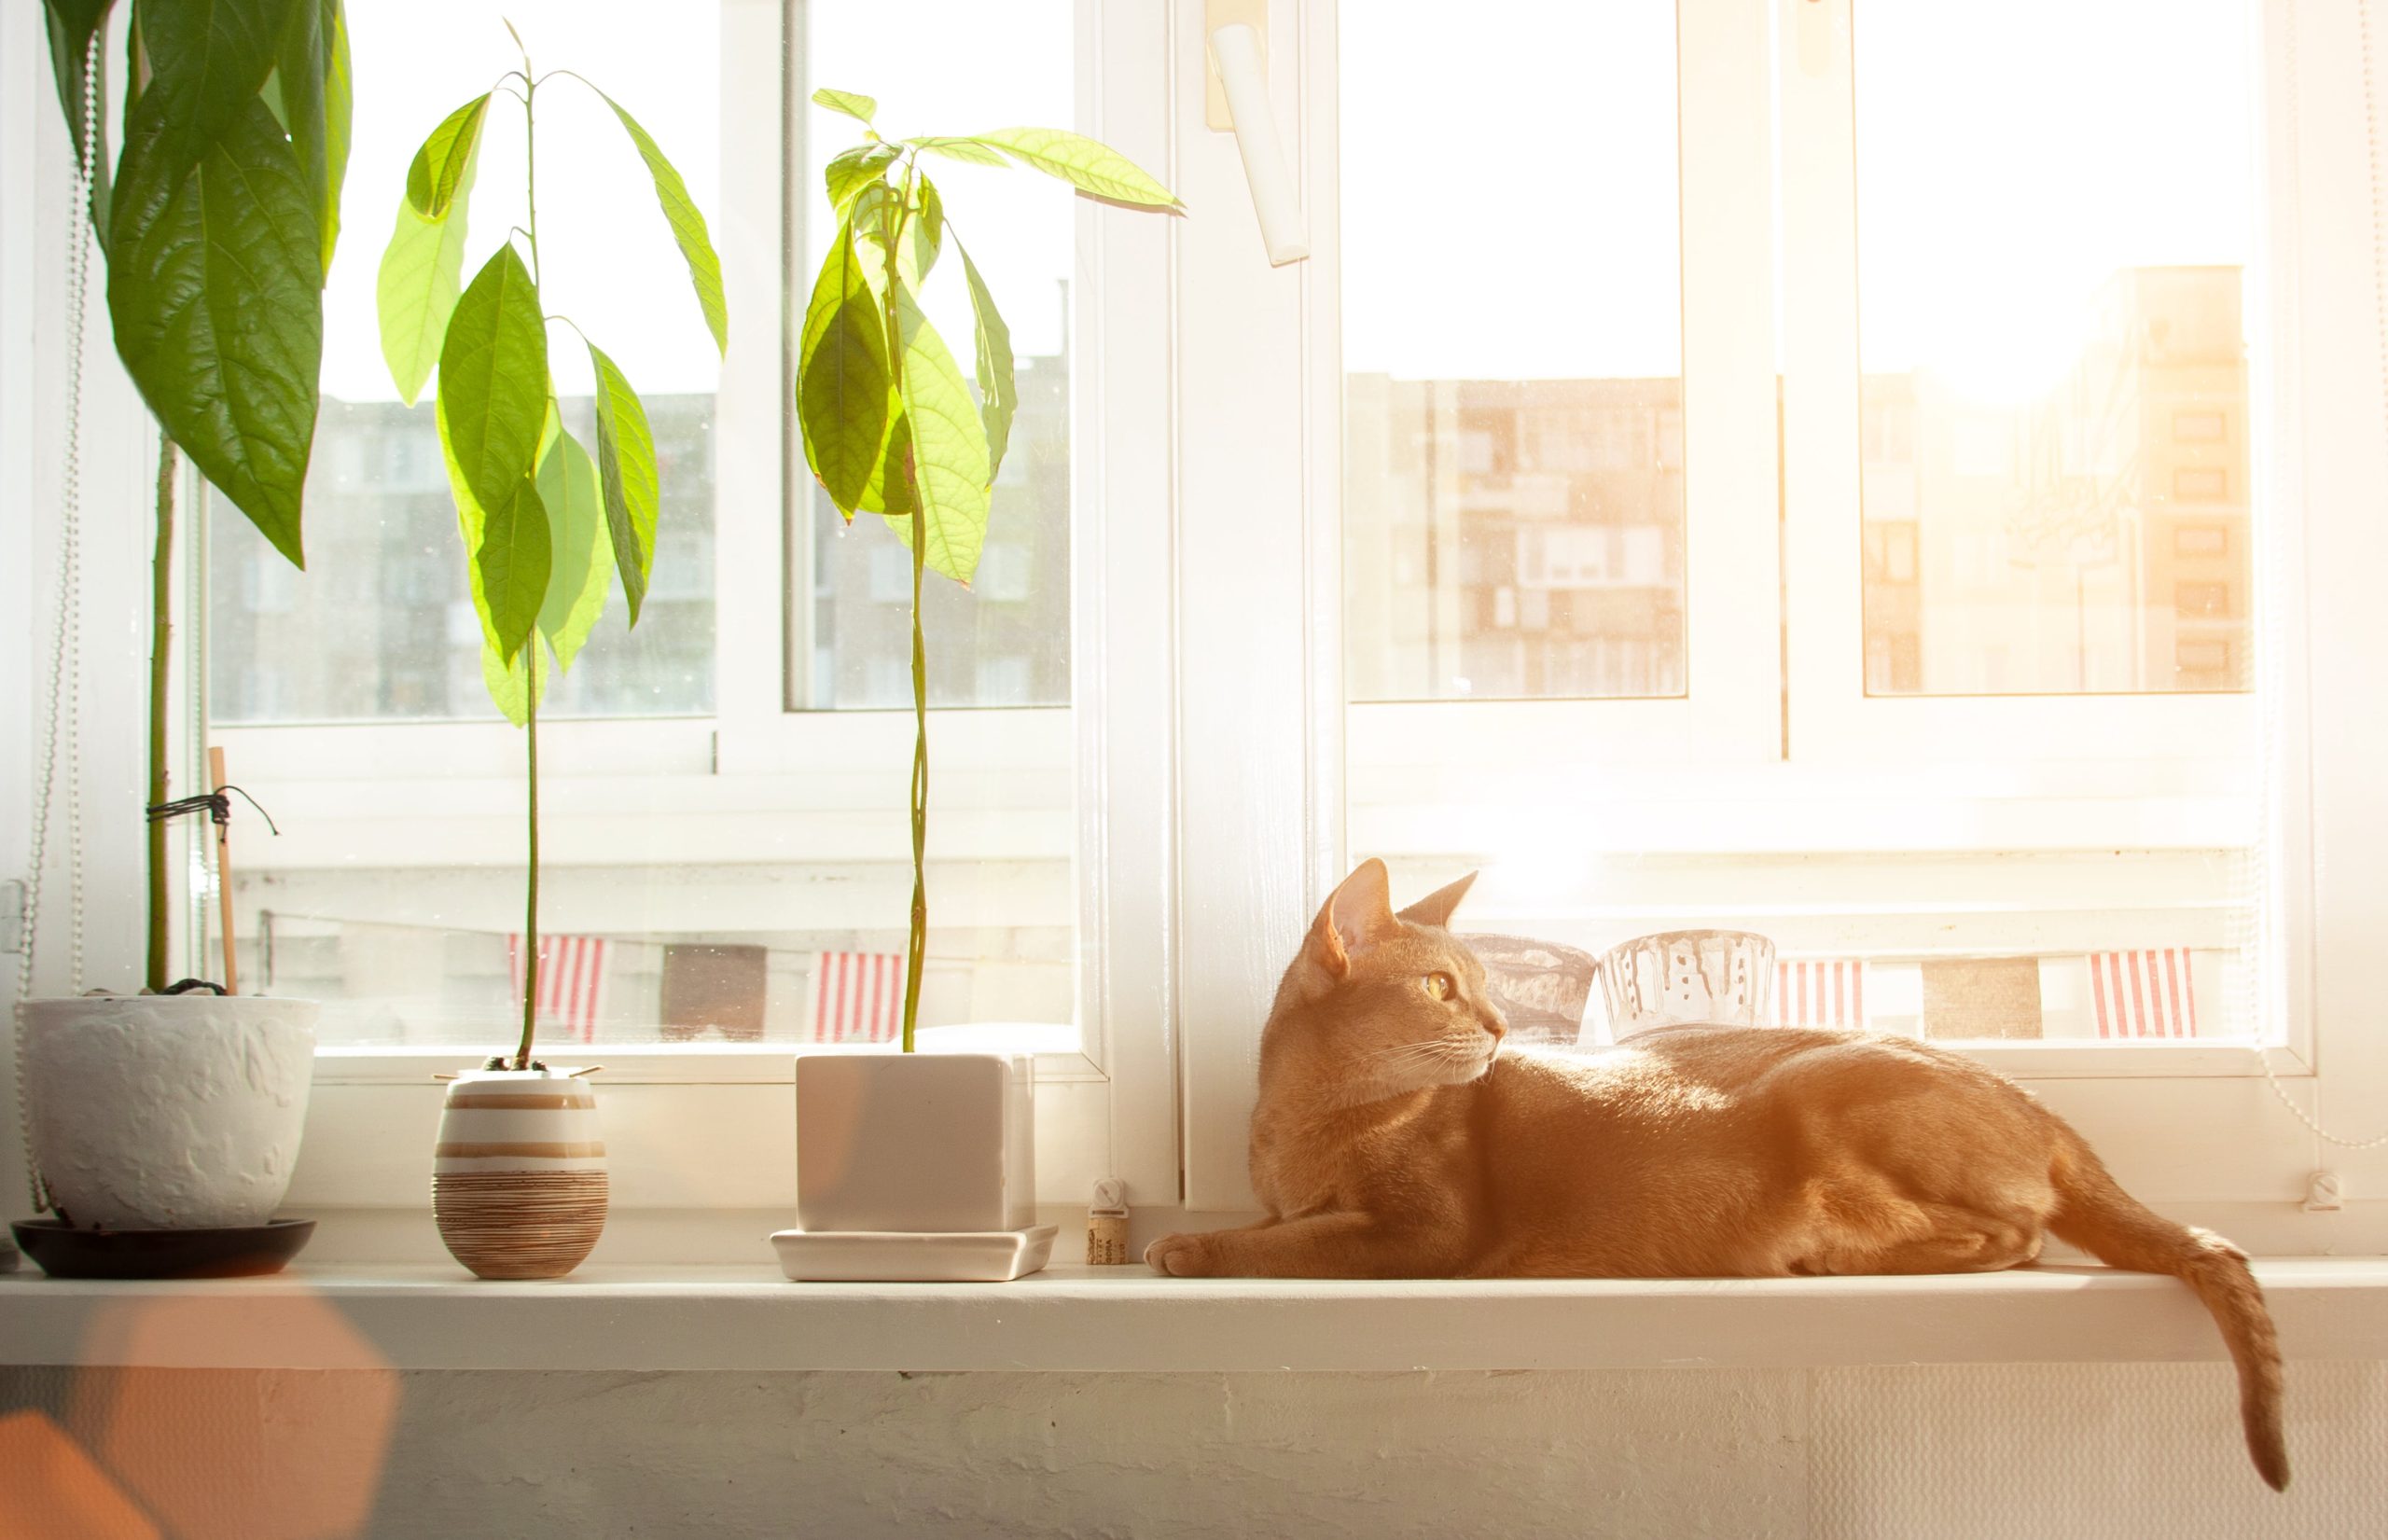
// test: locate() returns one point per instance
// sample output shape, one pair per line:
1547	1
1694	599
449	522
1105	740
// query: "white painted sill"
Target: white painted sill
1077	1318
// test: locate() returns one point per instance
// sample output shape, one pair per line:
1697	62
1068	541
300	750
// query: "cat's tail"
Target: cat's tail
2095	1213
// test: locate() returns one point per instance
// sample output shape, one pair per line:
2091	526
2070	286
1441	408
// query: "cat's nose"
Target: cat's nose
1494	1024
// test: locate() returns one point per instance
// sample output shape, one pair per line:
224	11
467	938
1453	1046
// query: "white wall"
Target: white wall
2111	1451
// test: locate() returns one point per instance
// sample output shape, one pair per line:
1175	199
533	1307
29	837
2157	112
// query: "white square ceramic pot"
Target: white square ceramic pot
919	1142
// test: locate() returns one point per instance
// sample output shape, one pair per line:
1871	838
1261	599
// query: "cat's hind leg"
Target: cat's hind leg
1899	1235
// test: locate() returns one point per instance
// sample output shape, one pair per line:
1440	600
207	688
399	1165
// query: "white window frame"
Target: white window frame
2191	1124
1212	733
1093	781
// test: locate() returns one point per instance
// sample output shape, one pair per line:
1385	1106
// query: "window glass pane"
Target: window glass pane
2052	248
694	889
1006	640
382	625
1513	497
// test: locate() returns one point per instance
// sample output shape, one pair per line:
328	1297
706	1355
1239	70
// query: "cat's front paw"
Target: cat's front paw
1180	1255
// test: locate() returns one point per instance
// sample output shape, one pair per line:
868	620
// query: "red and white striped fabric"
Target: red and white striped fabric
1820	992
572	980
2144	993
857	996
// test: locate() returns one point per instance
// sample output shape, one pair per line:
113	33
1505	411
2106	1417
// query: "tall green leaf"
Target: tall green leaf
843	387
440	166
70	24
1087	164
851	171
215	281
998	388
509	685
311	75
422	272
687	228
949	449
954	148
217	54
582	568
852	104
871	214
514	558
626	468
494	381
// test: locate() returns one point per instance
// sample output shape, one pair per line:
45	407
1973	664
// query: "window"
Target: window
2015	460
719	877
1513	493
1765	576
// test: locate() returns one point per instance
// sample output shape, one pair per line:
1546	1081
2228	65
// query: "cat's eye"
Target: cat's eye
1441	986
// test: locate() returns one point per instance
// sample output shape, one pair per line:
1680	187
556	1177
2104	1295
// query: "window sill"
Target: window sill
1077	1318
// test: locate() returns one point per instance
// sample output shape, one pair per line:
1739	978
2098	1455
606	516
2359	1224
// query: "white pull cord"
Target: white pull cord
63	718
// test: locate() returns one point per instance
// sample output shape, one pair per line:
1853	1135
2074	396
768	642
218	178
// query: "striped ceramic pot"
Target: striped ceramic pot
518	1182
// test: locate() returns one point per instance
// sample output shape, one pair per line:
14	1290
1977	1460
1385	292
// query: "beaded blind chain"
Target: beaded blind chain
62	718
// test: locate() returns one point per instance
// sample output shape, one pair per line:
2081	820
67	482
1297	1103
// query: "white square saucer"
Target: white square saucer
914	1256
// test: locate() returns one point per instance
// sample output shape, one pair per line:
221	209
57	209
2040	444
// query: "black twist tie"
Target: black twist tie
217	806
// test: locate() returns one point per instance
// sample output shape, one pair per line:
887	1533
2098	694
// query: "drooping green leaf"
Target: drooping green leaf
214	285
889	491
582	567
851	103
510	684
218	54
72	24
842	402
339	113
998	390
626	468
851	171
494	381
954	148
1087	164
923	234
440	164
469	522
949	449
514	558
311	81
872	215
687	228
421	272
136	62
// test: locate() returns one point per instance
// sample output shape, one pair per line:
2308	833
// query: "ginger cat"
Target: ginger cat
1393	1139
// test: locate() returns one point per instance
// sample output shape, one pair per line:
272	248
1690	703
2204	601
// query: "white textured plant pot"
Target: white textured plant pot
518	1180
915	1142
167	1111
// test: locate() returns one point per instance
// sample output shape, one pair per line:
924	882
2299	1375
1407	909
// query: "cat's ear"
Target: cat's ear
1356	915
1435	907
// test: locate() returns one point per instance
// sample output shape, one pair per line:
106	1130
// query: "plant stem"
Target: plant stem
160	641
916	950
530	654
531	908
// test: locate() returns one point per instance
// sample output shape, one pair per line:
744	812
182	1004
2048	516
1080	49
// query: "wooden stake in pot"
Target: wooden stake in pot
217	781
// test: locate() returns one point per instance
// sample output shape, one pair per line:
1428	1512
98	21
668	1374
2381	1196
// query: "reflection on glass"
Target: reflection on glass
2055	494
1513	482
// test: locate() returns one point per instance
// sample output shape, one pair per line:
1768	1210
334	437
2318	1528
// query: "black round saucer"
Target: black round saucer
242	1251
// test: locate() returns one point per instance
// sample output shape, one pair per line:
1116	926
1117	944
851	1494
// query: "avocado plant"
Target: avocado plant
888	422
217	223
546	524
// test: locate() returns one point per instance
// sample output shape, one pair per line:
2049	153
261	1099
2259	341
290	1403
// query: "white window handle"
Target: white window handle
1235	53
